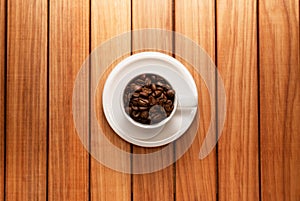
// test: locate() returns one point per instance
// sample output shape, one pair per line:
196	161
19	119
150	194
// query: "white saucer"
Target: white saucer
179	78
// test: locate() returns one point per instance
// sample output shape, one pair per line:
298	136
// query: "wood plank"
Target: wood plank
109	18
26	139
69	47
196	179
152	14
2	95
237	62
280	99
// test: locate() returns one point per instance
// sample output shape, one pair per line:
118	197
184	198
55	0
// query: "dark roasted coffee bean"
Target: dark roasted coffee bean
144	114
170	93
159	88
152	100
140	82
135	108
161	96
168	108
143	102
157	93
164	97
153	87
137	88
144	121
135	114
134	101
167	86
147	90
144	94
143	108
159	84
135	95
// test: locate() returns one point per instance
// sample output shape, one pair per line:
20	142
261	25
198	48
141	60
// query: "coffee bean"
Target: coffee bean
143	108
135	108
152	100
170	93
148	99
143	102
159	88
144	94
135	114
153	87
135	101
147	90
159	84
157	93
145	114
168	108
161	102
140	82
167	86
136	95
137	88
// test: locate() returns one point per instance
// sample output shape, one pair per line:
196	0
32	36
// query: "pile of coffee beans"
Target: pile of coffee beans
148	99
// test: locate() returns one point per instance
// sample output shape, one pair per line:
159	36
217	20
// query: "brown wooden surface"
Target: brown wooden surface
114	15
2	95
196	179
256	46
280	99
237	62
69	47
26	119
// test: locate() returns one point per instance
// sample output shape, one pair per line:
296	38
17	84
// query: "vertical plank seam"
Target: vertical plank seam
173	55
5	94
216	99
89	92
258	97
48	101
285	109
131	147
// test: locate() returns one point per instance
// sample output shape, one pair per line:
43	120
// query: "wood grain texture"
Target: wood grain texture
152	14
196	179
2	95
26	139
237	63
109	18
69	46
280	99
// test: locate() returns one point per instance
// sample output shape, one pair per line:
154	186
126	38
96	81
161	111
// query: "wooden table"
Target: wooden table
255	45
